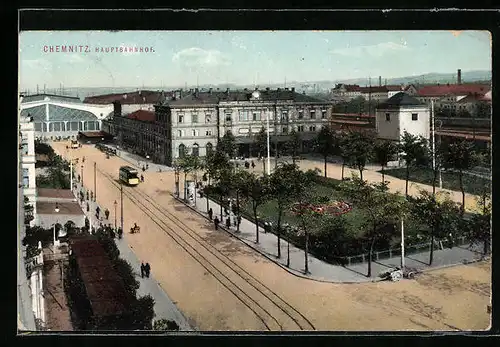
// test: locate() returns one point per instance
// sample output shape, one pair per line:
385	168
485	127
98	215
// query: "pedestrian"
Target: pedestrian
226	212
87	194
120	233
147	269
253	165
97	210
216	223
142	178
228	222
142	269
88	207
235	221
238	220
147	166
247	165
210	213
83	159
143	168
78	177
106	212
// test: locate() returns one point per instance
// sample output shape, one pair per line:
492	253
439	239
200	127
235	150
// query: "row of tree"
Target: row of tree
357	149
289	186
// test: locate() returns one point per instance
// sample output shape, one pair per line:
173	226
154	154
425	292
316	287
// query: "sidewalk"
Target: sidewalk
137	161
325	272
164	307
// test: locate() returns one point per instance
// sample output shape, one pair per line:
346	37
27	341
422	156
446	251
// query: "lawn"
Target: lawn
472	184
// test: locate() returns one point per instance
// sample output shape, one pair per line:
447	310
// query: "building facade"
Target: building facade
402	113
27	159
192	123
57	117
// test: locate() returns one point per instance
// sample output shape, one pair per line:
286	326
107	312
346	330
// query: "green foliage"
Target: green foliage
292	146
385	151
325	142
143	312
227	145
44	149
415	152
260	141
359	149
479	227
358	105
125	271
165	325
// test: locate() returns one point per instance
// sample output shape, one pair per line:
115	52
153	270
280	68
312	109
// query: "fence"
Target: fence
396	252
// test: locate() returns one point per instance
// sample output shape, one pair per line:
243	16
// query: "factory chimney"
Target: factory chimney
459	76
380	81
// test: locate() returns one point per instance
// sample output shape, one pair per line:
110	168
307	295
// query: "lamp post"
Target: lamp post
121	203
82	174
115	203
402	243
57	211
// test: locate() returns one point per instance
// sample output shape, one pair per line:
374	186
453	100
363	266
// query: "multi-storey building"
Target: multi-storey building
193	123
27	159
347	92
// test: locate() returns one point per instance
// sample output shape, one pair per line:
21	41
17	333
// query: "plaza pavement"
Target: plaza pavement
325	272
164	307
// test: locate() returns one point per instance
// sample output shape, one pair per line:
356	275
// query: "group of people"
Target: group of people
145	270
236	221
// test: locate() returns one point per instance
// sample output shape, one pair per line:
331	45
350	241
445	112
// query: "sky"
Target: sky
242	57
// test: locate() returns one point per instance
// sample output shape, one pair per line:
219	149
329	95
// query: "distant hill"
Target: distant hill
310	87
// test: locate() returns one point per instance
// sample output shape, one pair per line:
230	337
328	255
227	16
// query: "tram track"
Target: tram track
255	295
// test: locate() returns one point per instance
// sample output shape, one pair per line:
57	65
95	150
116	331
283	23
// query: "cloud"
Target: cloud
37	64
195	56
377	50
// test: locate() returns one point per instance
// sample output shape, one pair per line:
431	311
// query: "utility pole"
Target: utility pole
121	205
402	243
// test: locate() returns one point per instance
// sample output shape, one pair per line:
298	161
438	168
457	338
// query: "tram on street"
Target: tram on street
128	175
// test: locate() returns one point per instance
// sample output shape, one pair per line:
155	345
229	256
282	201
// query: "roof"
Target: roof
142	115
138	97
66	208
105	289
348	121
94	134
348	87
453	89
475	98
398	100
467	136
380	89
55	193
214	97
57	113
53	97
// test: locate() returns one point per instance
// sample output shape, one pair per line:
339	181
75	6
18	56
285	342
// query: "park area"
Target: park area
198	281
474	183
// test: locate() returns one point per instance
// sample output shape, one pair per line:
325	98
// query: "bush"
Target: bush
165	325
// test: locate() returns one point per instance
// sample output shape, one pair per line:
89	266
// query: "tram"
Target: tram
128	175
74	144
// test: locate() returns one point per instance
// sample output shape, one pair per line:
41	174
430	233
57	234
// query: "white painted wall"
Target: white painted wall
401	121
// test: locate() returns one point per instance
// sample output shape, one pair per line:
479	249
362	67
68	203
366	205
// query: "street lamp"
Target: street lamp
95	191
115	203
121	203
54	234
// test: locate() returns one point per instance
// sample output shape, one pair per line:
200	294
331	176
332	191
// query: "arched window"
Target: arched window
196	150
209	148
182	151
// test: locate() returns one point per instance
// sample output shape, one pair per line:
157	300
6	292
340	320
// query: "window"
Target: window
284	116
323	114
209	148
414	116
312	128
194	118
300	128
285	130
243	116
194	132
179	133
26	179
229	117
180	118
196	150
208	133
208	118
255	116
388	117
182	151
312	114
301	114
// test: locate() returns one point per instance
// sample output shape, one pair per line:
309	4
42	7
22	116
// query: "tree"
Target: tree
360	148
285	190
382	208
293	145
260	143
441	217
188	163
303	183
214	163
344	151
385	151
460	156
240	181
165	325
227	144
325	144
479	226
142	312
256	190
415	152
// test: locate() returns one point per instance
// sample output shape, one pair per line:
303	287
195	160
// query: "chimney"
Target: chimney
459	76
227	90
380	81
293	89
